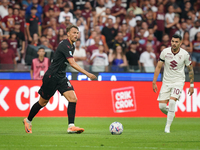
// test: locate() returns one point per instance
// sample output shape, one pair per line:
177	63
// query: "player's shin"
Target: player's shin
34	110
163	108
171	112
71	110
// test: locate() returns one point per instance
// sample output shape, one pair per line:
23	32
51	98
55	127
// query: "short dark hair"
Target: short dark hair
41	48
71	26
163	45
119	32
177	36
9	7
33	7
67	6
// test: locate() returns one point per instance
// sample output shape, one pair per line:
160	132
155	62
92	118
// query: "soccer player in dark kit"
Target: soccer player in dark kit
55	79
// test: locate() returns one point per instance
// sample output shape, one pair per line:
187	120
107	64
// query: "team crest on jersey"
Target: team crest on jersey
173	65
180	56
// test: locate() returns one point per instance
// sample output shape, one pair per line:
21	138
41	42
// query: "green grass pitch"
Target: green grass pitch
139	133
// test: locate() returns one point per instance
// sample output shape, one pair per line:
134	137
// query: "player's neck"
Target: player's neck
70	41
175	51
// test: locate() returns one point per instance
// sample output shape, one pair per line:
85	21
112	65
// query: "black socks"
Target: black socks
71	112
34	110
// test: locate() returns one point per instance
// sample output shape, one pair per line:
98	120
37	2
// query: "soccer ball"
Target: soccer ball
116	128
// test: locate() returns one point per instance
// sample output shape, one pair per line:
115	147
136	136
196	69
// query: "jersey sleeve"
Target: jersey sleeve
188	60
28	21
162	56
67	52
4	19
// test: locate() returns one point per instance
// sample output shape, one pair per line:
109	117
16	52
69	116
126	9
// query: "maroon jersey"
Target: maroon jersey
196	48
8	20
46	21
53	42
63	26
21	21
91	49
85	14
141	48
116	9
160	20
47	7
16	18
127	37
7	58
151	23
12	44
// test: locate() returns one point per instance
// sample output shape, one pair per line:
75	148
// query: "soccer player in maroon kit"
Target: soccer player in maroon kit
55	79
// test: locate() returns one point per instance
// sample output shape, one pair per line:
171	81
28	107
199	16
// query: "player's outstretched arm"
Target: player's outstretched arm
156	73
78	68
191	76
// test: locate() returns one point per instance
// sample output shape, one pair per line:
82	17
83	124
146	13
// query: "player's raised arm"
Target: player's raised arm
78	68
191	76
156	73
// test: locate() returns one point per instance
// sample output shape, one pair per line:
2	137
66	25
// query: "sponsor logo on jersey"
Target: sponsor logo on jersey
168	56
123	99
169	53
70	52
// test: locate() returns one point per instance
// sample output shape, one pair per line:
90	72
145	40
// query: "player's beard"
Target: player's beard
4	48
177	48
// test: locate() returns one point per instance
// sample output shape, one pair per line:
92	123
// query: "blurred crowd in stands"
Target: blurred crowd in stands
114	35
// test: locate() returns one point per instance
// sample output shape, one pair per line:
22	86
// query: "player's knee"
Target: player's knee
72	99
43	102
162	106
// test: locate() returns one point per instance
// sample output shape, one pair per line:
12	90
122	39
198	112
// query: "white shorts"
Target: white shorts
168	91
